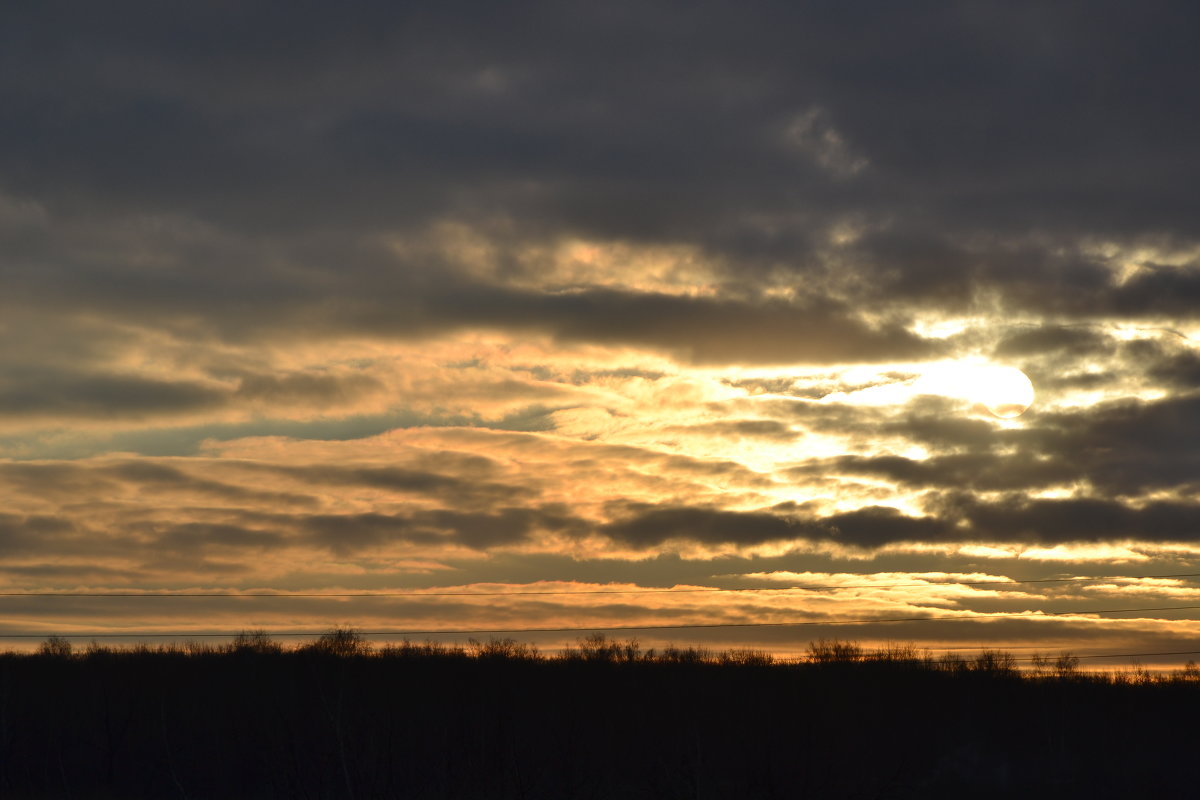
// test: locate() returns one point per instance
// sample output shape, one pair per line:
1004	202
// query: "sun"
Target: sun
1006	392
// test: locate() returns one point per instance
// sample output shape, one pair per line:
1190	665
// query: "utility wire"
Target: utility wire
1128	655
673	626
828	587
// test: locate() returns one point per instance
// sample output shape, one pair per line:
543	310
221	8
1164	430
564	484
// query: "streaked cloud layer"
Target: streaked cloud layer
576	296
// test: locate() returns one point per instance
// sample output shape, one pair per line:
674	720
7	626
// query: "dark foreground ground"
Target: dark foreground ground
608	722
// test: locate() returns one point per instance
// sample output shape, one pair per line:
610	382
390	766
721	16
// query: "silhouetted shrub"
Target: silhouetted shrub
1134	675
899	654
195	647
339	642
256	642
993	662
834	651
684	655
55	646
503	649
745	658
599	648
426	650
1066	666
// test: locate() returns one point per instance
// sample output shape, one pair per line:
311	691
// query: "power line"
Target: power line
418	593
673	626
1131	655
951	651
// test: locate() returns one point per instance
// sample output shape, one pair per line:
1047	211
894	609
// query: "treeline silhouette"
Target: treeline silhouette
338	718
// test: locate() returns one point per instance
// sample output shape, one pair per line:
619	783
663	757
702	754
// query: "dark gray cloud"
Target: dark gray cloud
1086	519
68	395
467	489
700	329
21	535
313	390
951	517
345	534
976	471
1057	339
988	94
1127	446
939	423
648	527
977	146
202	537
80	392
69	483
715	331
870	526
1177	367
229	295
1119	448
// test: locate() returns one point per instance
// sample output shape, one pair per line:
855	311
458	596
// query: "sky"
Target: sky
593	301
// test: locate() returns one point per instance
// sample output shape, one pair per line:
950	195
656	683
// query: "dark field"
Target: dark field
335	719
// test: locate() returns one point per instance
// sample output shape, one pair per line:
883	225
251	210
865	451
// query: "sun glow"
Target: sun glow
1006	392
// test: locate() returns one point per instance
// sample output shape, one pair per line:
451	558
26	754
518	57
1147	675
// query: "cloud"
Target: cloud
655	526
203	537
870	526
532	137
306	388
1075	519
1124	447
1056	339
100	396
345	534
975	471
22	534
367	298
464	492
